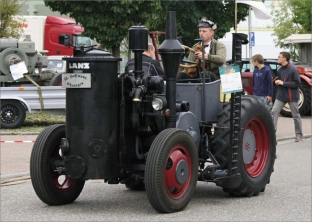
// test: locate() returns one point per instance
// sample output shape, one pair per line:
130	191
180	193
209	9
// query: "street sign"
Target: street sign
252	38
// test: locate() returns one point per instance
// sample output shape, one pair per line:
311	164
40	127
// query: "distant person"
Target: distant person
215	51
149	65
262	81
287	92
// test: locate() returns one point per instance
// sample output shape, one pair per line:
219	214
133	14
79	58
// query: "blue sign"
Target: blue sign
252	38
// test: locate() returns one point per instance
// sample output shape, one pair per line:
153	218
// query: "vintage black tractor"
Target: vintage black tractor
147	133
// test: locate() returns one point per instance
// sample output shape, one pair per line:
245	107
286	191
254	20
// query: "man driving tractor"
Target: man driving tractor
215	52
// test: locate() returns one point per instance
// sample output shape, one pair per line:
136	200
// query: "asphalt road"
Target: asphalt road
286	198
15	156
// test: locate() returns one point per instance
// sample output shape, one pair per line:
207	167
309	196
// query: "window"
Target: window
245	67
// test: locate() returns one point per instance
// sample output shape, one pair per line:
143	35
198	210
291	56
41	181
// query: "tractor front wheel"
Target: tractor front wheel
51	187
171	170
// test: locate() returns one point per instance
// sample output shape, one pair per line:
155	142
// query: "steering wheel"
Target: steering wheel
189	48
190	65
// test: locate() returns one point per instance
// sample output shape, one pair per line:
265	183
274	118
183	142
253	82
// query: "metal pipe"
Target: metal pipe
250	47
137	147
138	63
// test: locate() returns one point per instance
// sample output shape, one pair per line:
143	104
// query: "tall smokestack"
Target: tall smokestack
171	51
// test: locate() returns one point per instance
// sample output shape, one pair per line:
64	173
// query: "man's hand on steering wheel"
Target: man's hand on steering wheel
199	55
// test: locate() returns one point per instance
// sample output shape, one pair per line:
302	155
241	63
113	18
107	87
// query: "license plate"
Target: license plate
76	80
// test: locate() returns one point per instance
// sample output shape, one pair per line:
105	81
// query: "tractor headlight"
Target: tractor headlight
159	103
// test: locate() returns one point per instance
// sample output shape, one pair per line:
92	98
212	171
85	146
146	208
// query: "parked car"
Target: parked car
272	63
56	64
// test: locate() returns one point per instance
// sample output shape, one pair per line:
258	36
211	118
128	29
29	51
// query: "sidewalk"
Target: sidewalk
21	155
286	129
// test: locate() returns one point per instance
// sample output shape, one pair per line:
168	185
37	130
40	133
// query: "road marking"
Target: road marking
17	141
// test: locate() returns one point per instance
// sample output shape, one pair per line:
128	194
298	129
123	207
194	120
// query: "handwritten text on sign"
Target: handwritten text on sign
76	80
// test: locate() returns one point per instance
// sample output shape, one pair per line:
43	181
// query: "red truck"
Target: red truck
53	33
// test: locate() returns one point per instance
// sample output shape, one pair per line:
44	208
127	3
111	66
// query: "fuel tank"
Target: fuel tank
91	115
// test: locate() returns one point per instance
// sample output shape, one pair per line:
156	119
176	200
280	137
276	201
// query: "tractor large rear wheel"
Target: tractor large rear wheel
256	152
50	187
171	170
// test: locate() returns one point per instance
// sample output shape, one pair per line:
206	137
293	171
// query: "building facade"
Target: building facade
262	31
36	7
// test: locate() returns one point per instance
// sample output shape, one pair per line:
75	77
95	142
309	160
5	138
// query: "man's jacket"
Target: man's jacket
288	92
149	66
216	56
262	82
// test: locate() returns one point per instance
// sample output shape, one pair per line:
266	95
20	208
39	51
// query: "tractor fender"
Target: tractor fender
188	122
306	79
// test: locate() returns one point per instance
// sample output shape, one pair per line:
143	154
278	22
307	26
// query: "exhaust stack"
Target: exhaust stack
171	51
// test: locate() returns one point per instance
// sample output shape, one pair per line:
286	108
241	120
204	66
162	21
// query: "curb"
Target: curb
20	133
26	175
293	137
9	178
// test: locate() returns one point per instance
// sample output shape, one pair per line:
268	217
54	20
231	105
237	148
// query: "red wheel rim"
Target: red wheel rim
62	184
179	154
65	185
260	147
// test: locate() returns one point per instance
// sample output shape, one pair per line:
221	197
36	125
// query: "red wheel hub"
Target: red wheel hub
178	171
63	184
255	147
60	181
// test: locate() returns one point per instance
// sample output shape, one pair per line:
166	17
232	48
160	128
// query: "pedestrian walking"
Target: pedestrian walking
287	92
262	81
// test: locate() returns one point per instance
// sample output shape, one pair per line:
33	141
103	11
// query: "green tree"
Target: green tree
291	17
108	21
189	13
10	23
302	11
